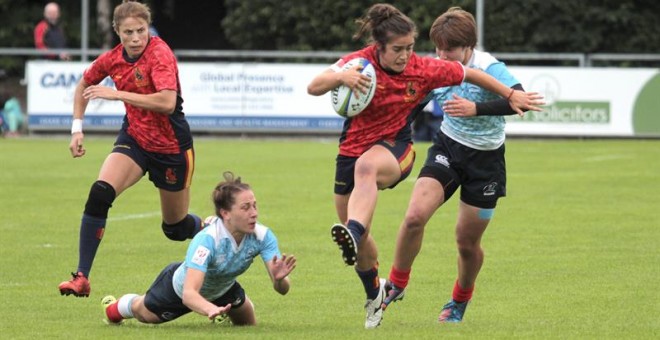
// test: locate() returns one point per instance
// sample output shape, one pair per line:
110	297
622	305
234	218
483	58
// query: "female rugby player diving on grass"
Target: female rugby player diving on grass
206	281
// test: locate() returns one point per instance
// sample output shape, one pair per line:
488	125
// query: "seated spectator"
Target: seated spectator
11	116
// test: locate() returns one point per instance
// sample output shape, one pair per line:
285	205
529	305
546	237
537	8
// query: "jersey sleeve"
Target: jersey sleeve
200	252
500	72
164	72
270	247
444	73
97	71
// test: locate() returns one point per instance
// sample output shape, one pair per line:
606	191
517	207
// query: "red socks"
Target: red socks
462	294
112	312
399	277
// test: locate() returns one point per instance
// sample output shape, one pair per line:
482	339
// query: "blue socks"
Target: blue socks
356	229
91	233
370	281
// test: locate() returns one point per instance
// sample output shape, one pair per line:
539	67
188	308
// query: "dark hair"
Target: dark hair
383	21
454	28
130	9
224	195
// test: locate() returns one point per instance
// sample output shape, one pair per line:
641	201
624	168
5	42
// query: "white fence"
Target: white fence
580	59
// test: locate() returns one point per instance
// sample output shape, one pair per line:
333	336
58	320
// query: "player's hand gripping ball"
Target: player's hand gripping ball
344	100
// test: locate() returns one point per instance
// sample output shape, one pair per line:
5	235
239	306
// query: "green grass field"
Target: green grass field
573	251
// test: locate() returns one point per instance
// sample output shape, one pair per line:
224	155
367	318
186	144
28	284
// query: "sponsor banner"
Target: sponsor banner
273	98
590	102
217	97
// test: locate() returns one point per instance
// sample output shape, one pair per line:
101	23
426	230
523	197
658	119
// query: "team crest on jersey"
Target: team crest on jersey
140	80
411	92
170	176
201	253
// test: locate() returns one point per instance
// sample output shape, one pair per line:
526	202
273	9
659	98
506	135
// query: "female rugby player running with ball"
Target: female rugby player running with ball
375	147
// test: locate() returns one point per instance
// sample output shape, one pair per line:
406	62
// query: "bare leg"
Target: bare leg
120	171
469	230
243	315
174	205
427	196
141	313
375	169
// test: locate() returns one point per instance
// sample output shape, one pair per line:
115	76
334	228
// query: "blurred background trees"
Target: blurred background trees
604	26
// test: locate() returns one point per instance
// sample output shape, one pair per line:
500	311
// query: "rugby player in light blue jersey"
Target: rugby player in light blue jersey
468	152
375	147
206	281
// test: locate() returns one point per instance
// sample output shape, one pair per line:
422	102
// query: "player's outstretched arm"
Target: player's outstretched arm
279	270
520	101
195	301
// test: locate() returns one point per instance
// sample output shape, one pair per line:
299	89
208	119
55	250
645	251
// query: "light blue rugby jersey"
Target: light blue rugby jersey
215	252
478	132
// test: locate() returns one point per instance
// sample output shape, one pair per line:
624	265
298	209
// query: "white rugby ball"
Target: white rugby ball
344	101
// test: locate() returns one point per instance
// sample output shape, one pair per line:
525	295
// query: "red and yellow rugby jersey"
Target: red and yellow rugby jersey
388	116
155	70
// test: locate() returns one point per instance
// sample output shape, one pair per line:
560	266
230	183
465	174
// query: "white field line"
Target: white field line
135	216
604	158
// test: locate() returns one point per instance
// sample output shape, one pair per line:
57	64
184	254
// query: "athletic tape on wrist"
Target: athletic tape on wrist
76	125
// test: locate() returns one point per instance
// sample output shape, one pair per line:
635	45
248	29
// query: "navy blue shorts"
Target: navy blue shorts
169	172
345	166
480	174
161	299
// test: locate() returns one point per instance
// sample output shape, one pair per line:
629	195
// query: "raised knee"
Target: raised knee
182	230
176	231
364	169
99	201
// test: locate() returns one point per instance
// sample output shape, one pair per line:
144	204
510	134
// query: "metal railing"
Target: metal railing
580	59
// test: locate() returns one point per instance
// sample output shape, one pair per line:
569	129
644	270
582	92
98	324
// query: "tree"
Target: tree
104	23
604	26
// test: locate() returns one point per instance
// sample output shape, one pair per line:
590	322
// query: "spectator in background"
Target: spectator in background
153	31
11	115
48	34
427	121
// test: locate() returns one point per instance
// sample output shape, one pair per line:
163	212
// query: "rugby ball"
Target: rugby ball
344	101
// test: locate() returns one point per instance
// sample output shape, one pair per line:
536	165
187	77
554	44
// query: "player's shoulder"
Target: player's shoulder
111	56
428	64
157	42
366	53
213	227
159	48
261	232
483	60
